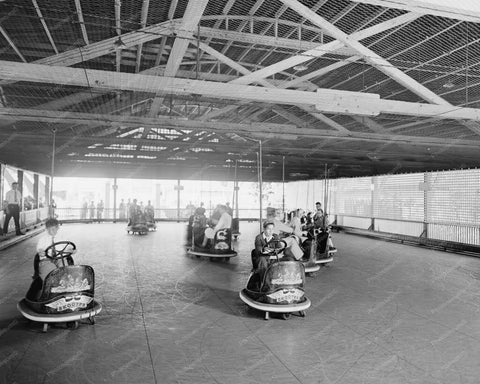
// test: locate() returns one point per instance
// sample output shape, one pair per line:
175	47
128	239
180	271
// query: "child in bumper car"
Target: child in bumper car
42	265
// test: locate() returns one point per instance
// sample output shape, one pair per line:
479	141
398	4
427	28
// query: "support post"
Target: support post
51	212
260	182
115	187
283	184
20	187
178	187
48	197
35	190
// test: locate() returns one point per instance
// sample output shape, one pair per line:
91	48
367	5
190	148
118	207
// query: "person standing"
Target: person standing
150	212
121	209
100	207
129	204
92	210
14	201
229	209
83	214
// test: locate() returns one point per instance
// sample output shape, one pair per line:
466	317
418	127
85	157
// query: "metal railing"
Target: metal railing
108	214
451	232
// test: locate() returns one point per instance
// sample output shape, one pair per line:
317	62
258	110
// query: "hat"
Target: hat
271	211
268	222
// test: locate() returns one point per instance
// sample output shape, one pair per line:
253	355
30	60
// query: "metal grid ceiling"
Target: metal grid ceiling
399	197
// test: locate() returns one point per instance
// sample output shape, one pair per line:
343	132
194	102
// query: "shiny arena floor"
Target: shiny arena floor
381	313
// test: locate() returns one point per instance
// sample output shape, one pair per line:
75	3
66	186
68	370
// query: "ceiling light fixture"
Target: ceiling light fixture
300	67
448	85
119	44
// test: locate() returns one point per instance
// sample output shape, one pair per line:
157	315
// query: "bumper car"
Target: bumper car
317	248
151	226
221	247
138	226
66	295
309	258
280	289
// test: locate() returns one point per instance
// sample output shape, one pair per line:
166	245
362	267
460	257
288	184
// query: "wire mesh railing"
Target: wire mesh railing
109	214
441	206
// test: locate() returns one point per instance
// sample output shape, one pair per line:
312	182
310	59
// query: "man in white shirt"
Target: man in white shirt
225	221
14	201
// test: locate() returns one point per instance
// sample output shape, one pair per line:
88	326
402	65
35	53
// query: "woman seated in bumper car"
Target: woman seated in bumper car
276	284
60	291
208	241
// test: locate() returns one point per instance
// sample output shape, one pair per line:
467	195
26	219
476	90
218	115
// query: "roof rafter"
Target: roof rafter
374	59
143	24
191	17
45	27
324	49
324	100
81	21
163	41
12	44
266	130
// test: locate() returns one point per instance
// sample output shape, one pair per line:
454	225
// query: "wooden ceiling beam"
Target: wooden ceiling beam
323	49
324	100
223	151
45	27
143	24
12	44
193	13
163	41
370	123
191	17
78	142
107	46
118	29
241	69
78	6
368	55
264	130
319	72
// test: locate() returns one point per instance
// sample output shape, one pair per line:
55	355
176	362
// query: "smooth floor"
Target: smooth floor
381	313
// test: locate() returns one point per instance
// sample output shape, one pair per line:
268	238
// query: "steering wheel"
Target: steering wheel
274	246
60	251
